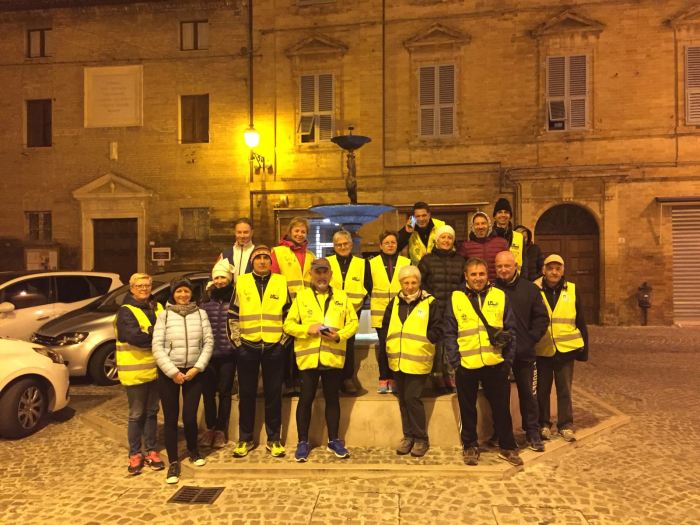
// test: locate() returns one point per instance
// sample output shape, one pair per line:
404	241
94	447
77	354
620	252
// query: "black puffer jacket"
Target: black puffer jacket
442	272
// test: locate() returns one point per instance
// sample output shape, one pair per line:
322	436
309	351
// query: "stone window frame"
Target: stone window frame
195	119
39	123
194	223
41	46
199	38
38	226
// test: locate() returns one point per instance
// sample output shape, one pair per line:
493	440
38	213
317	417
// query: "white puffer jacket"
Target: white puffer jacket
182	341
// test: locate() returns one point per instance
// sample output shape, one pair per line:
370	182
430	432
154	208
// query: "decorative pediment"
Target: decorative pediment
437	35
686	18
568	22
317	45
111	186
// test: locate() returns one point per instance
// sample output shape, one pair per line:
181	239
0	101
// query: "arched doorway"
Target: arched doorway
572	232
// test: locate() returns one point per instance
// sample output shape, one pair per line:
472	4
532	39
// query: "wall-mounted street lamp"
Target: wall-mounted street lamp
252	139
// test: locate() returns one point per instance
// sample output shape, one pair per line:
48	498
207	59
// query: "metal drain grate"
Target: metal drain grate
192	495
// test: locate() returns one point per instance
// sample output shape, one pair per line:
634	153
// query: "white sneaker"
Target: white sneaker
567	435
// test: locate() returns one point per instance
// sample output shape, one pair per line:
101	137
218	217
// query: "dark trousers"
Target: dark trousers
561	371
382	359
291	370
170	400
494	379
410	388
331	379
524	373
218	380
349	366
249	362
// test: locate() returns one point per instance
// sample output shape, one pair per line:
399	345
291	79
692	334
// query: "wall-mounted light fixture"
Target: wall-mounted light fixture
252	139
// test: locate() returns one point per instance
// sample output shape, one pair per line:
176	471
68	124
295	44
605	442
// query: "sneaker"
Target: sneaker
338	448
383	386
405	446
219	440
545	433
535	445
206	438
275	449
420	448
196	459
471	455
493	441
173	473
511	456
243	448
136	462
567	434
302	452
391	386
348	387
153	460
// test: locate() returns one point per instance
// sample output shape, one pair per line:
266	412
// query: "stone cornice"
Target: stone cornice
568	22
437	35
317	45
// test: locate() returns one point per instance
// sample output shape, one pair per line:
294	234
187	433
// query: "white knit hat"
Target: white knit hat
445	228
222	268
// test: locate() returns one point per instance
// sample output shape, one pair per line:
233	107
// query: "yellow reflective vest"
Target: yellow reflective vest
312	351
354	283
297	278
261	320
475	347
136	365
416	248
383	291
562	334
407	345
516	248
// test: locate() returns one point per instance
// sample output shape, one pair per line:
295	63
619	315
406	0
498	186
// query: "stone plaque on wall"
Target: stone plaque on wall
113	96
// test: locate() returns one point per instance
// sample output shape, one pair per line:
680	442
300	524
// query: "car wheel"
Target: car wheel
22	408
103	365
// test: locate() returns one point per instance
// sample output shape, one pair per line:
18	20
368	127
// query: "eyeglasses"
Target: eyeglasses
142	286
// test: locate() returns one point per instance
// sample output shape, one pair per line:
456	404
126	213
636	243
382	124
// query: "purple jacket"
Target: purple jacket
216	304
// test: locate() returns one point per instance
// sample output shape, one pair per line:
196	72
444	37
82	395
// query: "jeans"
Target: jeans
410	388
170	399
218	380
561	371
331	385
382	359
143	409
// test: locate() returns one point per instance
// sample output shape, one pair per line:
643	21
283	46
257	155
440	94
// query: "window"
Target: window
692	86
194	224
194	118
73	288
38	123
436	100
38	225
194	35
567	93
100	285
28	293
38	43
315	108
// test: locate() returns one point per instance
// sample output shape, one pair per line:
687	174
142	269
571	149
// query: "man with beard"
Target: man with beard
419	235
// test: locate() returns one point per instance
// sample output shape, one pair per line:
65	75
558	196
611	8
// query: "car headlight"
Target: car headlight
54	356
71	338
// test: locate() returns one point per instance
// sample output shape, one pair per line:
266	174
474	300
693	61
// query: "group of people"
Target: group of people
468	317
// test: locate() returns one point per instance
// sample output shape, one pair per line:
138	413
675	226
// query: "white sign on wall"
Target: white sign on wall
113	96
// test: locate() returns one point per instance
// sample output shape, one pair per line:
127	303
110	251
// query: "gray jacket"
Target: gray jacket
182	341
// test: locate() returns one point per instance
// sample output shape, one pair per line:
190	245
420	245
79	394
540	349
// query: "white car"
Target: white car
29	299
33	383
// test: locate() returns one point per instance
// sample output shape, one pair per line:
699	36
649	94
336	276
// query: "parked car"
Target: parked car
33	383
29	299
85	337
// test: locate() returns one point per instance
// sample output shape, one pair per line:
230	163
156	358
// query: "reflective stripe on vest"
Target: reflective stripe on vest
289	267
354	284
475	347
516	248
383	290
562	334
312	351
136	365
261	320
416	248
407	345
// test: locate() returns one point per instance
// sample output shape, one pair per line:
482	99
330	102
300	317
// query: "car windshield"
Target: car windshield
112	302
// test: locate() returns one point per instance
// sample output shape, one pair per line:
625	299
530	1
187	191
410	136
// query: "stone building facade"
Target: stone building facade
584	114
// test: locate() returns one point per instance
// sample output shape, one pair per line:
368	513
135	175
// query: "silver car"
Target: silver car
85	337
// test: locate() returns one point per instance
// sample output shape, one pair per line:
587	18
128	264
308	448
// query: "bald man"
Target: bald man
531	324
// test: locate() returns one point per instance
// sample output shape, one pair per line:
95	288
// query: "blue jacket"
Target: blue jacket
216	304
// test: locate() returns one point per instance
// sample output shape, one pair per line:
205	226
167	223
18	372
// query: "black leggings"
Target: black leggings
170	400
331	380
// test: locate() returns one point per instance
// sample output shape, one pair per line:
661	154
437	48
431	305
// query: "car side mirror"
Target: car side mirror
6	307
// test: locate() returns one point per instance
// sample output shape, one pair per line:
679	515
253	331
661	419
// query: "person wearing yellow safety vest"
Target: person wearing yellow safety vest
502	227
419	232
321	320
292	258
350	274
384	286
137	369
565	341
255	328
480	353
414	325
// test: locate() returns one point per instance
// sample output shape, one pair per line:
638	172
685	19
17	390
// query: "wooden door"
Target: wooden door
115	244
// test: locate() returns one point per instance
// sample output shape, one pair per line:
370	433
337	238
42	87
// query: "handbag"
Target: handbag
498	337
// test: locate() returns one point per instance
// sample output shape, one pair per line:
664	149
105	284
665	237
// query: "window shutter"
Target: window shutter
34	44
187	121
48	41
203	35
325	93
578	92
446	96
187	36
307	94
202	118
46	109
692	85
556	88
426	100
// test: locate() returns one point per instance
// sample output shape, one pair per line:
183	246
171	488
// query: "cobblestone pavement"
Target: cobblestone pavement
647	471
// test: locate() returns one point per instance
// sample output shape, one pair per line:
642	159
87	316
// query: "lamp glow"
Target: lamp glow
252	138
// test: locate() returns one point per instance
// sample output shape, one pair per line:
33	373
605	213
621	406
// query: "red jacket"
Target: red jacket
297	249
485	248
